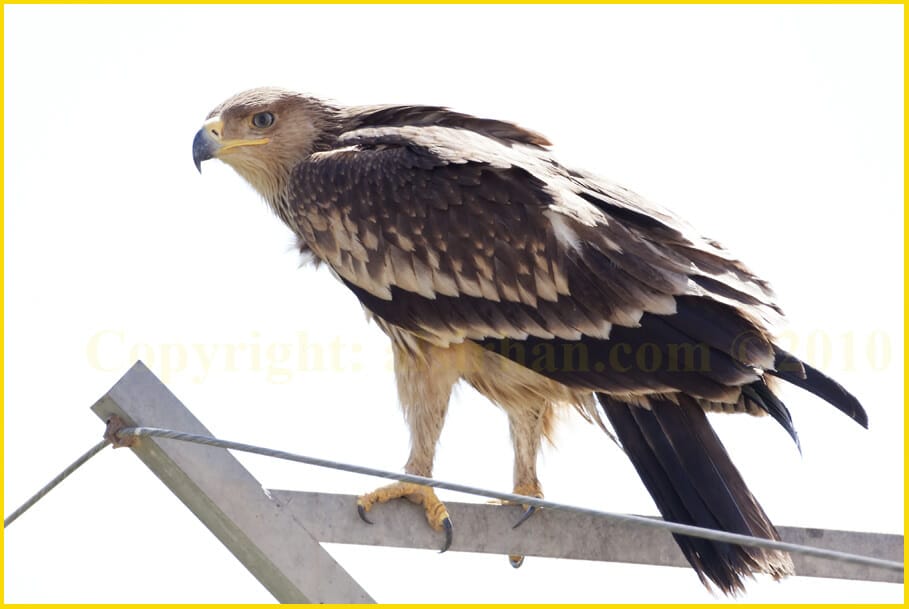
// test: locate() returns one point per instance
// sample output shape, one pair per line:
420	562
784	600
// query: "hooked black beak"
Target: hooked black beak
209	142
204	147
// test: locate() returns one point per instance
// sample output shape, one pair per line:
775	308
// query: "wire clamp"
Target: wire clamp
114	425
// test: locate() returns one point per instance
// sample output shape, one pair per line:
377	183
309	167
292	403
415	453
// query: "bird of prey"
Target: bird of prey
486	260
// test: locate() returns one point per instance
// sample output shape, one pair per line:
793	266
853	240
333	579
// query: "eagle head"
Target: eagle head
262	134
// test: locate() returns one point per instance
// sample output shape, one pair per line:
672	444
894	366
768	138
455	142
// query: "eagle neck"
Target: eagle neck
280	204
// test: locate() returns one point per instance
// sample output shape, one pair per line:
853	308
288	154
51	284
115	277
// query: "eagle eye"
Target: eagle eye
262	120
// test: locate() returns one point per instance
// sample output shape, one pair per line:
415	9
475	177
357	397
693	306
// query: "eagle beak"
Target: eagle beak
207	141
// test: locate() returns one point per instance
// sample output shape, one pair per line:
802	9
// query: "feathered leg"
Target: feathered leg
528	424
425	376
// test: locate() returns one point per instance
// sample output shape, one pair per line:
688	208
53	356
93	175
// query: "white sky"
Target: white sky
777	130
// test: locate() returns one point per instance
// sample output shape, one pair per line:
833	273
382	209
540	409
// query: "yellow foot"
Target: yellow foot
436	514
531	490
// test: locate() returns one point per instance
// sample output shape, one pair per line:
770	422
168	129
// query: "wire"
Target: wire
94	450
672	527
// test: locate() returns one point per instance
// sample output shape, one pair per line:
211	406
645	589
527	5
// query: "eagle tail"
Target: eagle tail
692	480
792	370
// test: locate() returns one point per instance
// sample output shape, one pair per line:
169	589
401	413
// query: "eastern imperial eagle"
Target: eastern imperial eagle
484	259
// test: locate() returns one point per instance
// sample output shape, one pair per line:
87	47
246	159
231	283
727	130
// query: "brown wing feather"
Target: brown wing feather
453	235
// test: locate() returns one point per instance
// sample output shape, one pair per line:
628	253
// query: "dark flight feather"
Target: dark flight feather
759	393
693	481
792	370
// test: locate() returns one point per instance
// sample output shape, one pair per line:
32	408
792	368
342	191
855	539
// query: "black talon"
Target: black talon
362	512
527	514
446	524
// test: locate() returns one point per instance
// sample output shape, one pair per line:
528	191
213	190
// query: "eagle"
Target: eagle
485	260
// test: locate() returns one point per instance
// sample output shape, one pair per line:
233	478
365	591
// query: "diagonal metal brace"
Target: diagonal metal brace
264	536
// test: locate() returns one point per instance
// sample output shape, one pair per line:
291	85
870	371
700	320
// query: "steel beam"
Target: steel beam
486	528
256	528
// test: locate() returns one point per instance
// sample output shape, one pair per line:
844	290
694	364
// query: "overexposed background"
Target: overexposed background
777	130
